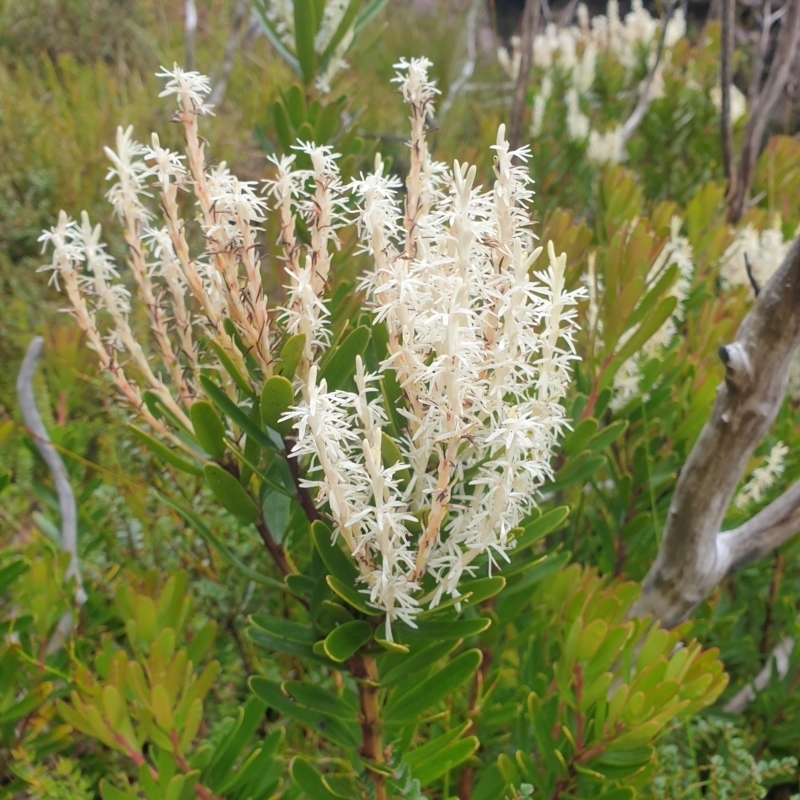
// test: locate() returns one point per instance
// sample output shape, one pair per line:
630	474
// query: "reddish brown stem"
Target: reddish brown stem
365	671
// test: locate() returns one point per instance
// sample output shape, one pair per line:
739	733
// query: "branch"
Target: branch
530	21
189	28
221	84
645	95
694	556
726	78
469	65
66	499
788	40
780	654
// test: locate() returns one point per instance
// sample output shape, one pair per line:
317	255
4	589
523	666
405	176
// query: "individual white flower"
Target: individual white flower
191	89
131	173
763	477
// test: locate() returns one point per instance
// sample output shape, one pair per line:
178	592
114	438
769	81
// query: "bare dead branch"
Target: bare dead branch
726	78
189	29
66	499
231	46
780	656
778	76
645	93
530	22
694	556
760	52
468	67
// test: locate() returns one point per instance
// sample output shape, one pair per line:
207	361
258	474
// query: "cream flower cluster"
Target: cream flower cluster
280	14
482	348
763	477
764	250
479	345
573	52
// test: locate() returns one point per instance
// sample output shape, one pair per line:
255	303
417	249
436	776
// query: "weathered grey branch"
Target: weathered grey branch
645	94
530	22
468	67
66	499
780	655
726	78
189	29
694	556
785	55
231	46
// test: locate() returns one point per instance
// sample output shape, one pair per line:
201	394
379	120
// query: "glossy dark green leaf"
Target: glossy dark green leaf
208	428
481	589
164	453
344	734
358	600
10	572
284	628
276	398
341	365
319	699
446	630
409	705
311	782
449	757
231	495
397	667
336	561
227	362
290	355
234	412
229	750
305	30
577	470
534	530
284	134
343	641
576	440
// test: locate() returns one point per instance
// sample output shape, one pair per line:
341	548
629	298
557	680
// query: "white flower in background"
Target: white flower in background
738	102
510	61
607	147
482	348
540	105
764	250
763	477
577	121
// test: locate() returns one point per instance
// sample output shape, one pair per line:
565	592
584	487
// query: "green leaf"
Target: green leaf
348	19
607	435
231	495
481	589
205	532
29	703
341	365
305	29
576	470
234	413
397	667
369	13
164	453
316	698
10	572
447	758
240	380
347	735
208	428
410	704
109	792
537	528
447	630
311	782
291	353
276	398
343	641
577	439
284	628
274	38
356	599
337	562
